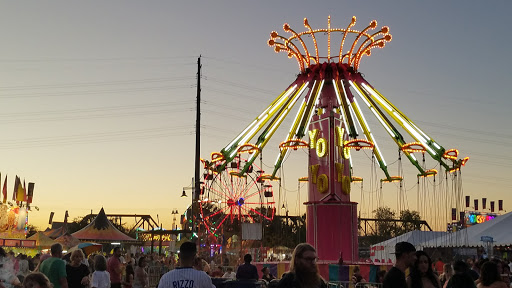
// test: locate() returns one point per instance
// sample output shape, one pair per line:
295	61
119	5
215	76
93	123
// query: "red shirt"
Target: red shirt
113	265
439	266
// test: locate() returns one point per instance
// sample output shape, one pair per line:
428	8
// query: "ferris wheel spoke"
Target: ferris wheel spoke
258	203
216	213
220	185
222	221
220	192
255	211
248	215
244	191
219	188
250	195
241	187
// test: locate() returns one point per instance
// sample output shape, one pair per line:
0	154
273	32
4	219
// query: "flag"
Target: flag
24	191
30	193
20	192
454	214
467	201
4	191
51	218
484	203
15	188
66	217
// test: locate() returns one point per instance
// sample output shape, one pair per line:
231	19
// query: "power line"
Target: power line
99	59
96	137
90	92
100	83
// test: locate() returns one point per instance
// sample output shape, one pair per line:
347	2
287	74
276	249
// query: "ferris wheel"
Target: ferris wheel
228	195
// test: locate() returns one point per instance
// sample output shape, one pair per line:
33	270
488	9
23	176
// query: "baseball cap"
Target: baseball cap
404	247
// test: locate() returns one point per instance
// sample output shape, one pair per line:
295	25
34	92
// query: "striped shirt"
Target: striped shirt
185	277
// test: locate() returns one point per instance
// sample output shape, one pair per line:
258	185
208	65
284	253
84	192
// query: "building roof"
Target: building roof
67	240
56	232
101	230
497	228
42	241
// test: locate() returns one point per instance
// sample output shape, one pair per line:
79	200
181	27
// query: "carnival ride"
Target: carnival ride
230	195
331	117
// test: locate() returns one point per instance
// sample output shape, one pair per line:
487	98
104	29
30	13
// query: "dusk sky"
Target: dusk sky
97	98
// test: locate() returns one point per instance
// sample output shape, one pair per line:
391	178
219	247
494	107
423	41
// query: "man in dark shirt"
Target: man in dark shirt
247	270
405	257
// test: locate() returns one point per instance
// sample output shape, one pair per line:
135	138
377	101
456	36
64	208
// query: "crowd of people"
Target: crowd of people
485	273
130	271
54	270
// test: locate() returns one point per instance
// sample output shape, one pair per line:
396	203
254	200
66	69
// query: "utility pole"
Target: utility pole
197	180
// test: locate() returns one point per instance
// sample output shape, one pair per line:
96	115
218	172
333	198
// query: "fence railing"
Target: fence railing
349	284
155	273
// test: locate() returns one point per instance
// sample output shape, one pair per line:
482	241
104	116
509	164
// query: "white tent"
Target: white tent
499	228
382	252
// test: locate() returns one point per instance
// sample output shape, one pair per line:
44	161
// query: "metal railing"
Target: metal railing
349	284
155	273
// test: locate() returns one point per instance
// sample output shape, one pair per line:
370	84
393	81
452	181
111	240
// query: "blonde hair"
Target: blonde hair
77	253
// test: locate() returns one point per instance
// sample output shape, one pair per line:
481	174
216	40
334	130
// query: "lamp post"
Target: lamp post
184	194
174	213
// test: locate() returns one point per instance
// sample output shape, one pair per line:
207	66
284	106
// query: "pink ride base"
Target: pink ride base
331	227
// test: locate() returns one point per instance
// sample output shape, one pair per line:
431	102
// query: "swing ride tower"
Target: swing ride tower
332	120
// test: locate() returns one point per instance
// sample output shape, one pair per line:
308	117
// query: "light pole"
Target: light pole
184	194
174	213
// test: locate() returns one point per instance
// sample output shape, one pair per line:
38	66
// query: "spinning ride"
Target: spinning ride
332	119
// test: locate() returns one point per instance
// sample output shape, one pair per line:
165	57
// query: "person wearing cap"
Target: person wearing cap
405	257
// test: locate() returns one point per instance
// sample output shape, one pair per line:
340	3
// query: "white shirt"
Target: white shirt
185	277
231	275
100	279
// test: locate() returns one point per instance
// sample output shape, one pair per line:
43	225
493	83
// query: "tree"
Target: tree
386	226
383	227
284	231
31	230
411	221
77	224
